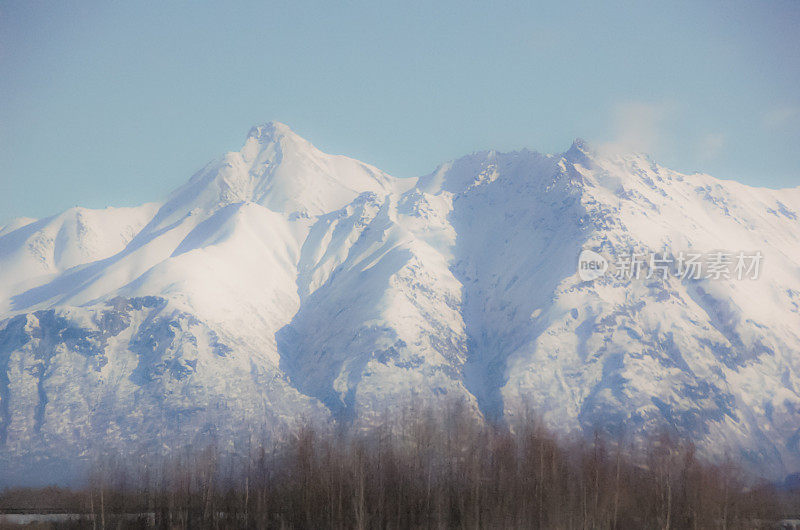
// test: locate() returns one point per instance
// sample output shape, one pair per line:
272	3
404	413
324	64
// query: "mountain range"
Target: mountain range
281	284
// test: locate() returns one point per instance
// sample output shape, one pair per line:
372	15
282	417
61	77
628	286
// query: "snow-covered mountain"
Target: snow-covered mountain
282	284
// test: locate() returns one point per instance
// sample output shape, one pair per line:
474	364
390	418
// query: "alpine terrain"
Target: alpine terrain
281	284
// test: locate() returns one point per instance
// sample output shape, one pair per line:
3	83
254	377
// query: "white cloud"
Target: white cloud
710	146
637	126
780	117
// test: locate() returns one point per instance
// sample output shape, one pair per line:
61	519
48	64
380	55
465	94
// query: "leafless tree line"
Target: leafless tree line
440	469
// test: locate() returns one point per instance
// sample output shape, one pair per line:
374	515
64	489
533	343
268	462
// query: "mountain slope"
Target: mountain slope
282	284
34	250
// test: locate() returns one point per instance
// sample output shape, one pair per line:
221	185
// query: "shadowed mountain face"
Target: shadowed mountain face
282	284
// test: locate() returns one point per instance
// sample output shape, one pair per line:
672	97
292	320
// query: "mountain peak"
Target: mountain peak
580	152
275	137
580	144
280	170
271	130
266	141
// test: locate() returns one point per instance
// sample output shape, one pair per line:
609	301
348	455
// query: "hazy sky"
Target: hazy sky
117	103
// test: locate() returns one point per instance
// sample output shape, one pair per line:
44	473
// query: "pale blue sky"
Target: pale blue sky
117	103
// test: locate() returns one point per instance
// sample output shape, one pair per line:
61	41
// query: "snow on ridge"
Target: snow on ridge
36	251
